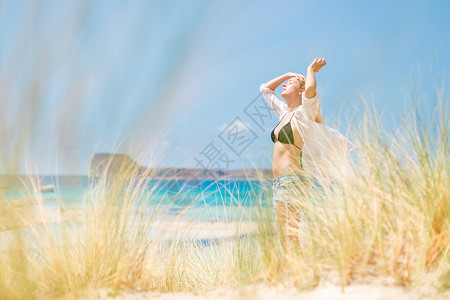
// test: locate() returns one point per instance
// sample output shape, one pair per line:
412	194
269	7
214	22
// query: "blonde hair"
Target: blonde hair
302	85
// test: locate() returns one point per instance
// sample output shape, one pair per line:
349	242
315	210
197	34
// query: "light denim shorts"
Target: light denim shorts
285	185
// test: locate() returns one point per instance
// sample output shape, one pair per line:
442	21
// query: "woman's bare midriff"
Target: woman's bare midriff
286	159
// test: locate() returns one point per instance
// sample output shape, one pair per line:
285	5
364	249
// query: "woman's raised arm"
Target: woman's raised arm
310	84
268	91
274	83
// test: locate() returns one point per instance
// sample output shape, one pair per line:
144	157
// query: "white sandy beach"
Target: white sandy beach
376	290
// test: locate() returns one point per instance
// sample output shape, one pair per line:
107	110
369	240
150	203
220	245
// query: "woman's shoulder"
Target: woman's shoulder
311	100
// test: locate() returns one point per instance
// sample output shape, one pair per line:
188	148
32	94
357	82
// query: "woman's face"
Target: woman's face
291	87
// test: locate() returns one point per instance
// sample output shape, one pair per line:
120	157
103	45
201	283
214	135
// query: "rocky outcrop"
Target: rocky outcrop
108	164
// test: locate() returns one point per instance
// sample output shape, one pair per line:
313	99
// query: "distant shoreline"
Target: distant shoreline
113	165
11	181
108	164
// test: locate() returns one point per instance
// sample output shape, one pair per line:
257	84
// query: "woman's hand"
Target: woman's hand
296	75
291	74
317	64
274	83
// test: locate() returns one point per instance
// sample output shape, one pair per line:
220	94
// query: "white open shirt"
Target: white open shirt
324	148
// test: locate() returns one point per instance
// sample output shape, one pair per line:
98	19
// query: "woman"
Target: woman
302	108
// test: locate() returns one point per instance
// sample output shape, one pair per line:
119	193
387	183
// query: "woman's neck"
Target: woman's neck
293	102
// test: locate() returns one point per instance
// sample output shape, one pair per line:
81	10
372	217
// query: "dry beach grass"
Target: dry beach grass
384	224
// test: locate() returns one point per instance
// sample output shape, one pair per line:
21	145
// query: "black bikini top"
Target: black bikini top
285	135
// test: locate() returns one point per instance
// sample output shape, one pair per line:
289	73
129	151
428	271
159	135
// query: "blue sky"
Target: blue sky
81	77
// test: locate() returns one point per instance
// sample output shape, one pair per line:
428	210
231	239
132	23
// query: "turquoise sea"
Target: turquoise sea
191	199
